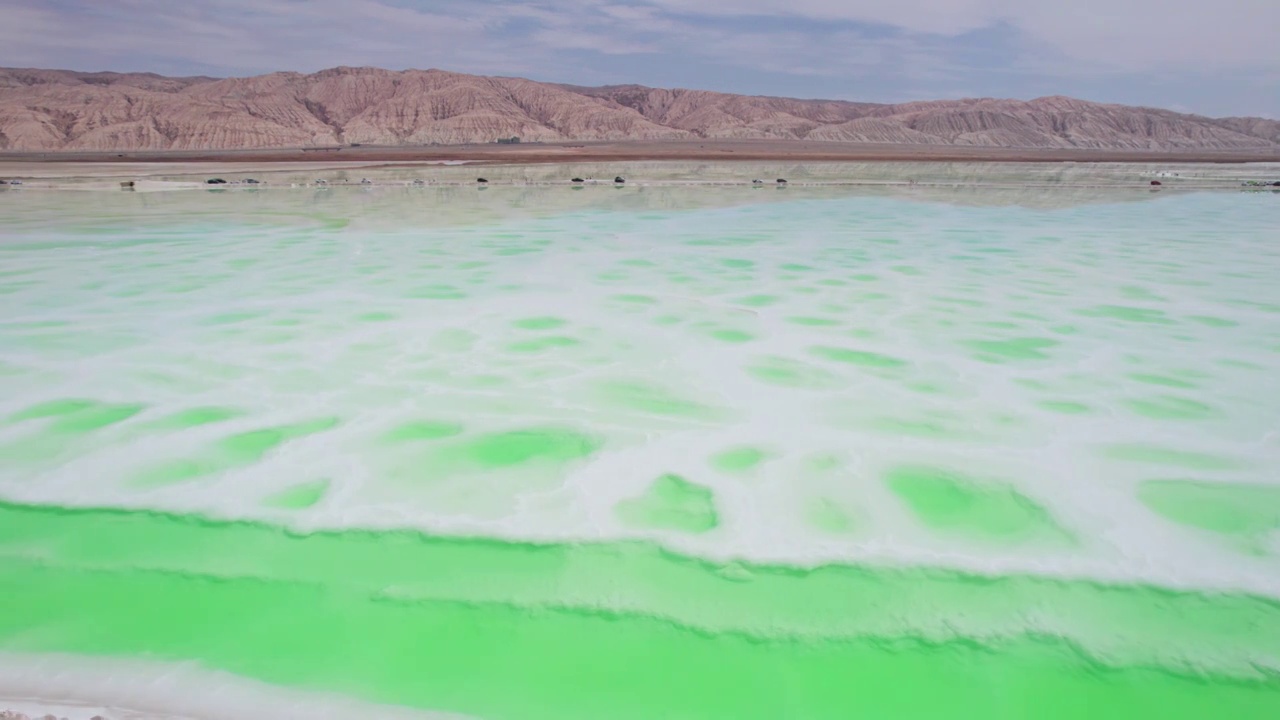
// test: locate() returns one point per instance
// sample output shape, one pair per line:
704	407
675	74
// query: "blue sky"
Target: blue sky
1215	57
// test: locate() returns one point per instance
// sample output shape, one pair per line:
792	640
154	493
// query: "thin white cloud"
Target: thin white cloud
943	17
1128	35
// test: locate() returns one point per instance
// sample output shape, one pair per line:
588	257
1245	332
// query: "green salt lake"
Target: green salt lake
1005	445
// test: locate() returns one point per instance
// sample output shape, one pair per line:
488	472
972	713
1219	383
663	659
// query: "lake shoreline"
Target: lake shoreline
710	150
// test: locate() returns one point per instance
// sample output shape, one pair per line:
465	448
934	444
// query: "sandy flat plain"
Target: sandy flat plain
528	153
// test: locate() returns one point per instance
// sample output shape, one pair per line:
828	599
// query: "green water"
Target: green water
658	451
513	630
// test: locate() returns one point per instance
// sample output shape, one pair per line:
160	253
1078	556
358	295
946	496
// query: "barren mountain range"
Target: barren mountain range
51	110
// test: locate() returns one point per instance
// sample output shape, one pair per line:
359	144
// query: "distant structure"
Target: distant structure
508	141
126	185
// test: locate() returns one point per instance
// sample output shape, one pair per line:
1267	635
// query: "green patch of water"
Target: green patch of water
1220	507
1169	407
1162	380
53	408
194	417
499	450
96	417
539	323
759	300
1012	349
950	502
239	450
671	503
298	497
738	459
860	358
1211	321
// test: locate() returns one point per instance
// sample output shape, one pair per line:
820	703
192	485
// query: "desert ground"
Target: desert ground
696	150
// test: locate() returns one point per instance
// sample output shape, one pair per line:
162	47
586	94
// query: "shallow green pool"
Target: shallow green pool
664	451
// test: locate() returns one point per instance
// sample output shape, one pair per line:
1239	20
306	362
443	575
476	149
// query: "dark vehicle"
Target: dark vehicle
215	181
782	181
1156	182
250	181
577	180
481	180
619	180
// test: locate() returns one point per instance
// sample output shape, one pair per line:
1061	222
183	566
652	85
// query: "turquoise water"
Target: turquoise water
661	451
